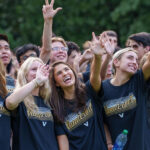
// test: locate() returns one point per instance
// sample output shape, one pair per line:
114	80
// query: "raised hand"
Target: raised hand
96	46
105	42
42	74
48	11
87	55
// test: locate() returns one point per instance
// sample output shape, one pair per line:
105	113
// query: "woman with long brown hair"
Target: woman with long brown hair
5	129
79	124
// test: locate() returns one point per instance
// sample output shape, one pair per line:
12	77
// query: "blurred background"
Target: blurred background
22	20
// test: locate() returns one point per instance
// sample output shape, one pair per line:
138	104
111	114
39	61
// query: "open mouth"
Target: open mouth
67	79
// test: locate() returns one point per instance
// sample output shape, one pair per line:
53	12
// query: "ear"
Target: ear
146	49
116	63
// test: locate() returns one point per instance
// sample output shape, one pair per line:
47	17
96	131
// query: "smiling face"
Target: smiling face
128	63
32	71
59	52
5	53
64	76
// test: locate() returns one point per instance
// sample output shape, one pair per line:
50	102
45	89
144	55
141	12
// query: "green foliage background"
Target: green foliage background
22	20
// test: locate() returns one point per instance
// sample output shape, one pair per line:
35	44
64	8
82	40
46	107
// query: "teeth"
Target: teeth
67	78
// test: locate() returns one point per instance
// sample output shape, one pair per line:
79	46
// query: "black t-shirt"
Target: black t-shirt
148	104
5	127
84	129
125	108
33	130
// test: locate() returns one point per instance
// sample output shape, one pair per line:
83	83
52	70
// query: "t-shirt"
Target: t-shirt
10	83
84	129
148	104
33	130
125	108
5	127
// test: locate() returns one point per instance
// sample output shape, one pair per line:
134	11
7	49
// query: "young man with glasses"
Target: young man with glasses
25	51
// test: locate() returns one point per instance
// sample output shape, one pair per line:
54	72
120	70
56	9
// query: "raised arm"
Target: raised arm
146	68
110	48
48	15
95	78
18	96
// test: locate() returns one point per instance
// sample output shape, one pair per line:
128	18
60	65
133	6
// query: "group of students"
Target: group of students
56	106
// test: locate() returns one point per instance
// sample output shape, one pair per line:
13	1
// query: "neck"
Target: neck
120	78
69	93
35	92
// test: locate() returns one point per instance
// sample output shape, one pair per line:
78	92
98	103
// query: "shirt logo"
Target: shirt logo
41	114
3	110
86	124
44	123
120	105
74	120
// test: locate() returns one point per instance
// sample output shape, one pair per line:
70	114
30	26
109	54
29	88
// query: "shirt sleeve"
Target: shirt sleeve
59	130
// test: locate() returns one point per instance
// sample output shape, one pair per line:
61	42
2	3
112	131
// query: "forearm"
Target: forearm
105	66
63	142
46	40
95	78
18	96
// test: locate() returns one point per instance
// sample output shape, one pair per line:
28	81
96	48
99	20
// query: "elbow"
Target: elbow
10	105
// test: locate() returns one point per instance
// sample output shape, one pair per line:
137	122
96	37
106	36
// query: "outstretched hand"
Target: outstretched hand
48	11
42	74
108	46
96	46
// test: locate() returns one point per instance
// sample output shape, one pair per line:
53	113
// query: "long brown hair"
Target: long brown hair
57	100
3	89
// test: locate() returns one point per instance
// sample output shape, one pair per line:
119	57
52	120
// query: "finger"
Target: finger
94	36
52	2
58	9
46	2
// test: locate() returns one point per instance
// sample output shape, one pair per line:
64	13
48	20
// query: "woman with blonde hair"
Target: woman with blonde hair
33	126
5	129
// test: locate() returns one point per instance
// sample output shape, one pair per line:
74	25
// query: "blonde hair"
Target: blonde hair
3	89
119	54
44	91
59	39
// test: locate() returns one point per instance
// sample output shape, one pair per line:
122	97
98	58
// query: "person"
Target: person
73	52
5	56
140	42
32	120
55	48
142	62
124	99
79	123
5	128
25	51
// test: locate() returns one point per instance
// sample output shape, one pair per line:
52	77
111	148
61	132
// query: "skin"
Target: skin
58	55
125	68
5	53
28	53
138	47
73	56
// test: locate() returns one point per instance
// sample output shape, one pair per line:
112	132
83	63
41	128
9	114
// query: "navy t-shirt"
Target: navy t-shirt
84	129
125	108
5	127
33	130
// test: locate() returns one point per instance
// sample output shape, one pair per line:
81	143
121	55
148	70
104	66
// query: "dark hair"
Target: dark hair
4	37
3	90
141	38
57	101
25	48
112	33
72	46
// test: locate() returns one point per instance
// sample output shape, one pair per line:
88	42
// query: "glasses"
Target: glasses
60	48
25	56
